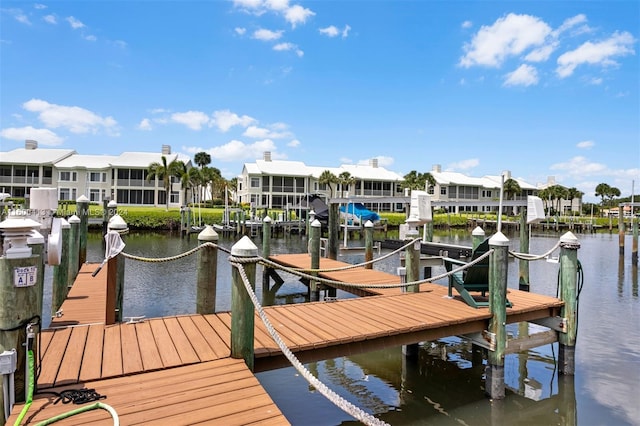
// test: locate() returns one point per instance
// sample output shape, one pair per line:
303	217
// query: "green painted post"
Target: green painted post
523	265
74	251
207	272
105	215
60	286
334	231
477	237
36	242
82	209
314	293
412	260
368	244
242	312
21	289
569	246
498	269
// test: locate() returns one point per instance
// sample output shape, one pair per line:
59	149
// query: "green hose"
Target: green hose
116	421
27	405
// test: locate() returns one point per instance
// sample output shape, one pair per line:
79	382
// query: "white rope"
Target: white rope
177	256
336	399
527	256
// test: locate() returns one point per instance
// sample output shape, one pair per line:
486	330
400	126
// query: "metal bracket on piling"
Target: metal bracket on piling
135	320
554	323
484	339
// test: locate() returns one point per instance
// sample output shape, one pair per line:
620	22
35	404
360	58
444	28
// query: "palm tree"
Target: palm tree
511	188
572	194
163	171
602	191
345	179
430	181
558	193
413	180
181	171
202	159
328	178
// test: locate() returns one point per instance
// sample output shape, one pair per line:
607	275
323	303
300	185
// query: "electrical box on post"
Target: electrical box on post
8	362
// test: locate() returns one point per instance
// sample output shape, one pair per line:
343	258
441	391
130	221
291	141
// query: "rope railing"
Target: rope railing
336	399
359	265
177	256
528	256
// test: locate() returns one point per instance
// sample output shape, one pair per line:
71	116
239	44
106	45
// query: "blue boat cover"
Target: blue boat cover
360	211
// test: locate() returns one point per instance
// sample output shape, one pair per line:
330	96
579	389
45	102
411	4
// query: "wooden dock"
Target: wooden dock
178	370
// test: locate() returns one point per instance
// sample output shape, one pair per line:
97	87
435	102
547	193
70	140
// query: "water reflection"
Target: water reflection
444	385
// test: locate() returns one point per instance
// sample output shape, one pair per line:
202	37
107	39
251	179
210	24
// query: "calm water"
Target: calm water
443	386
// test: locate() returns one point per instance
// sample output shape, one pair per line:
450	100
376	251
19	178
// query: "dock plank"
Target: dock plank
69	371
132	359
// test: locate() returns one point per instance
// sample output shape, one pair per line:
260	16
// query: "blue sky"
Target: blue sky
544	88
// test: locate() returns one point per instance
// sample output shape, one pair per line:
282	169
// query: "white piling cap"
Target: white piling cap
64	224
35	238
74	219
498	239
82	199
478	232
208	234
244	248
368	224
267	219
117	223
569	238
316	223
112	204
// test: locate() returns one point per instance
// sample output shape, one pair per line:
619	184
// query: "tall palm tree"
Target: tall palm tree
572	194
181	171
558	193
162	171
511	188
345	179
430	182
202	159
328	178
602	191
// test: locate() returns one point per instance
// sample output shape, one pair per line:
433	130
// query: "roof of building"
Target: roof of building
35	156
78	161
141	159
522	183
298	168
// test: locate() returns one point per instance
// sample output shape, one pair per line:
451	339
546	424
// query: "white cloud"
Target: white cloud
192	119
330	31
463	164
18	15
570	23
294	143
50	19
75	23
43	136
467	24
240	30
333	31
145	124
297	14
267	35
225	119
580	166
275	132
90	38
601	53
510	35
75	119
287	47
596	81
39	6
543	53
525	75
585	144
277	4
236	150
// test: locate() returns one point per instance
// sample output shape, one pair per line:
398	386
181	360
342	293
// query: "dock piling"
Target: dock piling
368	244
74	249
242	312
207	272
412	260
334	231
314	292
60	286
498	265
82	209
569	246
523	265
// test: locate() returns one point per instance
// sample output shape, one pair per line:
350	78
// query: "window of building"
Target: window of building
147	196
255	182
265	184
94	195
135	196
443	190
162	197
68	176
47	174
97	177
175	197
67	194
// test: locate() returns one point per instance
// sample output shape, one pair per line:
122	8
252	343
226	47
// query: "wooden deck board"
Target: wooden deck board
196	339
91	367
151	359
112	352
132	359
169	353
181	342
68	372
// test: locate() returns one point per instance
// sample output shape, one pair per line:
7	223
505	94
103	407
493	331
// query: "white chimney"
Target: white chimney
166	149
267	156
373	163
30	144
437	168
